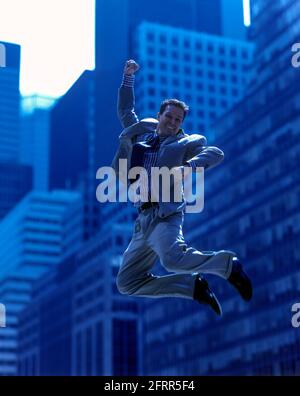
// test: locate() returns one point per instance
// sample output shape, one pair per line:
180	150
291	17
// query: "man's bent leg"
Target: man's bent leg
168	242
134	277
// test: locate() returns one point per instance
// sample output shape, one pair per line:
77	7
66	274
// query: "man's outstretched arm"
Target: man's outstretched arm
204	156
126	102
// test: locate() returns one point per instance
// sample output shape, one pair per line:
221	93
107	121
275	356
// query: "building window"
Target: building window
150	36
163	66
187	84
174	54
151	105
222	77
210	48
199	73
223	90
187	57
124	347
119	241
175	41
198	59
150	50
186	43
162	38
79	356
175	82
233	52
99	349
244	54
211	88
198	45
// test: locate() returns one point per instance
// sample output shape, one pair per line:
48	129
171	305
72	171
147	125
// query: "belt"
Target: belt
147	205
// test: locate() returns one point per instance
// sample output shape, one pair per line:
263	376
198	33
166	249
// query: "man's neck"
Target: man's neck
158	132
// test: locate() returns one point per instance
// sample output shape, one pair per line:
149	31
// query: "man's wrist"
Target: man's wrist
128	80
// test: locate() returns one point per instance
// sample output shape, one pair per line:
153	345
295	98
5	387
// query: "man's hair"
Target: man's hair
174	102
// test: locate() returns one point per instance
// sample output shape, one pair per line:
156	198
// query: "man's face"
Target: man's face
170	120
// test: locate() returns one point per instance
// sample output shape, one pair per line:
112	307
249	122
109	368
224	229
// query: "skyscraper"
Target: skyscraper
40	232
10	104
15	182
35	138
210	73
116	23
72	158
96	330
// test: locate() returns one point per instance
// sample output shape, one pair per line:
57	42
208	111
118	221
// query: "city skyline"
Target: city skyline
14	28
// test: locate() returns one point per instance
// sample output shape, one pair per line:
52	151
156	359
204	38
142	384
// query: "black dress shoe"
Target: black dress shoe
240	280
204	295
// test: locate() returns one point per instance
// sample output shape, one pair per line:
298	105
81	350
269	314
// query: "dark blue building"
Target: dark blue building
77	323
15	182
72	147
116	23
10	103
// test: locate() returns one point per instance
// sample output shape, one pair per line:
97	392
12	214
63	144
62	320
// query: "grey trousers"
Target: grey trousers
156	238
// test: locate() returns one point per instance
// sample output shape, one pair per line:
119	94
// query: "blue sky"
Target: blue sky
57	39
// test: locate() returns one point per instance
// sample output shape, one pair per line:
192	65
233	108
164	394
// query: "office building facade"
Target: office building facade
251	207
210	73
40	232
77	322
10	104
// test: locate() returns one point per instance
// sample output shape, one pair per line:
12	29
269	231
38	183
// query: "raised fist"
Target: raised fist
131	67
